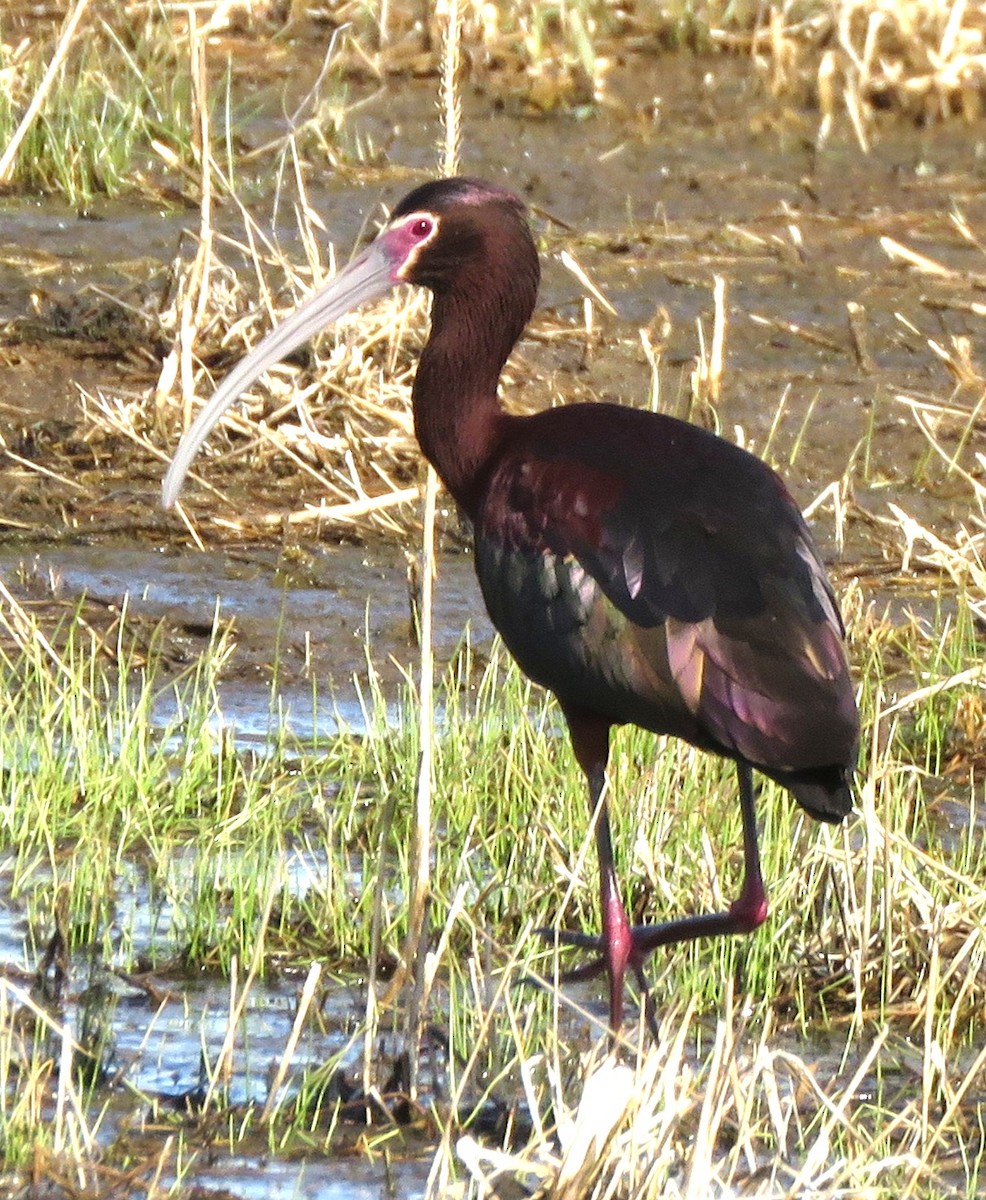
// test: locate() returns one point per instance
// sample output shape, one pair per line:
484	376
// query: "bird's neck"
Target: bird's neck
458	418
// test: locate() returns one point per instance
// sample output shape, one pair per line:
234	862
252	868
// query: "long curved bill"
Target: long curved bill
369	275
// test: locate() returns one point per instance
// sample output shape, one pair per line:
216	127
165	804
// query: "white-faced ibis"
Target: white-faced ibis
644	570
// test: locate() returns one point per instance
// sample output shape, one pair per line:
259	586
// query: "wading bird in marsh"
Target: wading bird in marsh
642	569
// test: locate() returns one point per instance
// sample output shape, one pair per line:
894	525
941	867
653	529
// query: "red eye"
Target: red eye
421	228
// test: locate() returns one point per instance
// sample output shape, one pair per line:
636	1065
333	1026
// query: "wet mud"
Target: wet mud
690	172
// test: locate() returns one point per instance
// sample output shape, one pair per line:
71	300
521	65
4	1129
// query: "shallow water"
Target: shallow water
352	605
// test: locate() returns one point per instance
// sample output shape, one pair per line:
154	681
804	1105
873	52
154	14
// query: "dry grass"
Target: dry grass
340	428
753	1117
743	1109
926	58
923	58
860	1074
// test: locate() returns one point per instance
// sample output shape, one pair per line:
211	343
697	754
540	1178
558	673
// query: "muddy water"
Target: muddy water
320	622
688	172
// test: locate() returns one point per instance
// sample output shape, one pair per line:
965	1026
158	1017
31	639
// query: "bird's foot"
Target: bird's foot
627	947
642	941
633	956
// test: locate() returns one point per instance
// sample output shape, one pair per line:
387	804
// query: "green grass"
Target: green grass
122	105
91	783
95	796
118	93
874	927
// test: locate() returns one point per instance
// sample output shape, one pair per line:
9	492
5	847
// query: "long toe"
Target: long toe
571	937
601	964
585	941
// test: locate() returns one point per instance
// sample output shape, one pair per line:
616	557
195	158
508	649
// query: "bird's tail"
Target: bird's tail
823	792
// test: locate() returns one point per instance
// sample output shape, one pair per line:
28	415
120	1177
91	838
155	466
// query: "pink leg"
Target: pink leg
745	913
616	942
621	945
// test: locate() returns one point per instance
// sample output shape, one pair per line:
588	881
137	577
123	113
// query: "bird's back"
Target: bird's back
648	572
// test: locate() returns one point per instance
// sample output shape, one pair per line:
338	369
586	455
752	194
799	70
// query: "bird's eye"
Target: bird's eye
421	227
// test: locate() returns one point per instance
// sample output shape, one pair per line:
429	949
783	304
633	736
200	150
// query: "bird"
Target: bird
642	569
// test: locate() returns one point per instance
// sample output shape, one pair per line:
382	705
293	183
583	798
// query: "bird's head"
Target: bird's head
450	229
448	234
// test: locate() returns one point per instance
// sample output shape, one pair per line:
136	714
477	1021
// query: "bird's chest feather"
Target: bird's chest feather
552	612
553	616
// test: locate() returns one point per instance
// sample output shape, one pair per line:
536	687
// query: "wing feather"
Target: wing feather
681	578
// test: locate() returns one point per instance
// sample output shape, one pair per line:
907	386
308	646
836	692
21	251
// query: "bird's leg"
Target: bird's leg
615	945
616	940
621	945
746	912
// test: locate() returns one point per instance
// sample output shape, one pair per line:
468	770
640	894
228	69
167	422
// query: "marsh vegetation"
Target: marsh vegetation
204	936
